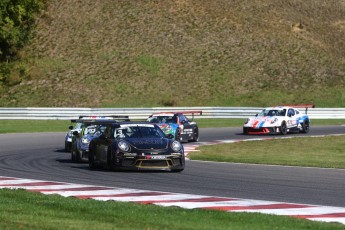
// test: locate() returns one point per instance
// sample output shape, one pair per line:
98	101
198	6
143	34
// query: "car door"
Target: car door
187	130
291	118
104	141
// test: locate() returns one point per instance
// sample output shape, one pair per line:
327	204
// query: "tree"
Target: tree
17	18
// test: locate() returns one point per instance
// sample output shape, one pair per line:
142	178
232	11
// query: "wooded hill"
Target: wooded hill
106	53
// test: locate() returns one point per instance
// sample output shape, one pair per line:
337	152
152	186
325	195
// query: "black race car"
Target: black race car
90	127
136	146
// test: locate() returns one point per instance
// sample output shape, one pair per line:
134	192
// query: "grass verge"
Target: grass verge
20	209
324	152
29	126
20	126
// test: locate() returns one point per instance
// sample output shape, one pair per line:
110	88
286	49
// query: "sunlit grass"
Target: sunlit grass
15	126
20	209
324	152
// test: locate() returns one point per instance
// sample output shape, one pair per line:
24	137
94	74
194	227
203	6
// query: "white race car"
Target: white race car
69	135
279	120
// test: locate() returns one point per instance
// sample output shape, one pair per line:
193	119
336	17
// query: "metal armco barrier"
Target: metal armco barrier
32	113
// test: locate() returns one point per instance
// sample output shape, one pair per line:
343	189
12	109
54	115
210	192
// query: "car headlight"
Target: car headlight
85	141
176	146
123	146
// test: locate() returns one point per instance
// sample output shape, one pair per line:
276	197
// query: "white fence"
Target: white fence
142	113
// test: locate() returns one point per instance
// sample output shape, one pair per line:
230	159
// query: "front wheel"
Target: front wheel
178	135
67	146
195	135
73	154
283	128
92	163
305	127
110	161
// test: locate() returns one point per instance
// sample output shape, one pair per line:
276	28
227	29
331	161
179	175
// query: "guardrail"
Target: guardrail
32	113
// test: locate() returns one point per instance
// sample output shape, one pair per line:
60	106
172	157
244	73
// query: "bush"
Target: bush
17	18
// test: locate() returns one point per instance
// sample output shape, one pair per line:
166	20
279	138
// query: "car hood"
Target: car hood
149	143
262	120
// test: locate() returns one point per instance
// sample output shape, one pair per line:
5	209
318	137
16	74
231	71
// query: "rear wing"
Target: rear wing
305	106
190	112
110	117
196	112
98	122
199	112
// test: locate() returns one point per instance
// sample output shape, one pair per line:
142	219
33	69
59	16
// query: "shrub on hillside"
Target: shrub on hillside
17	18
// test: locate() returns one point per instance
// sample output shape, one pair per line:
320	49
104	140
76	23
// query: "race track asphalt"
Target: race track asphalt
41	156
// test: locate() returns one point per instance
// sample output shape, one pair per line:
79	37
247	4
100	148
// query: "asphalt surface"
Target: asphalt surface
41	156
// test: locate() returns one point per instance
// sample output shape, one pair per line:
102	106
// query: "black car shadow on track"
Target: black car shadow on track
61	151
85	166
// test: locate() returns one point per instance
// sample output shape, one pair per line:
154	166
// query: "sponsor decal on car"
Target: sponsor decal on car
147	142
156	157
129	154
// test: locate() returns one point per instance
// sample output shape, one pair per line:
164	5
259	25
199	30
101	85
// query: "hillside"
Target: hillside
106	53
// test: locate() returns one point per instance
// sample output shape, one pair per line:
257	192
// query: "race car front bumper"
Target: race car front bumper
151	163
262	130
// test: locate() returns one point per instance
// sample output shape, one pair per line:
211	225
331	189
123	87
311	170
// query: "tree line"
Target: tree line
17	18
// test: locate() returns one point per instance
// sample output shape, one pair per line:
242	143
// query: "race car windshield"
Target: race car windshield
138	132
273	112
90	129
161	119
78	125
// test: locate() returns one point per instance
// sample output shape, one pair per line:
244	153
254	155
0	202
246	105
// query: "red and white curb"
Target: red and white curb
187	201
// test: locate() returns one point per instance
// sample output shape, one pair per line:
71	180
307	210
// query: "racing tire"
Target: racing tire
73	155
92	163
178	136
245	130
283	128
305	127
67	146
78	155
195	134
110	161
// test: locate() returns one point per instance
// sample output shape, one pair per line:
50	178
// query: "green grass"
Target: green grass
20	209
238	122
28	126
324	152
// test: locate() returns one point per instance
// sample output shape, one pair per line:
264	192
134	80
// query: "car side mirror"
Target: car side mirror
75	133
256	115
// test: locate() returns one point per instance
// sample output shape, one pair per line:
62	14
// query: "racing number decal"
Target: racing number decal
291	122
187	131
